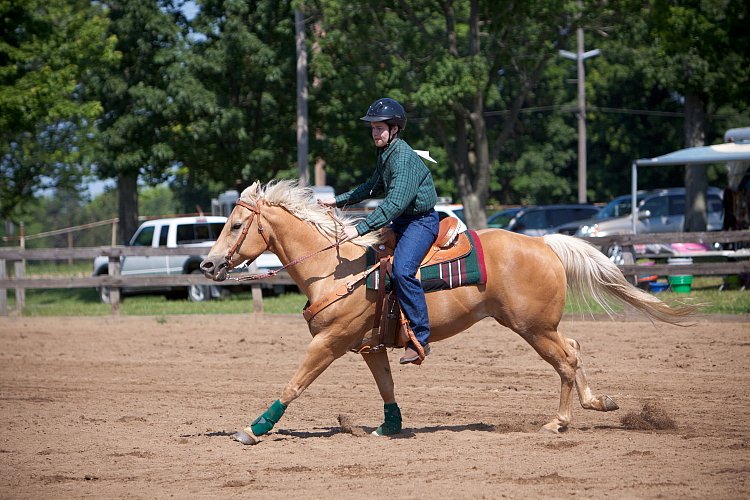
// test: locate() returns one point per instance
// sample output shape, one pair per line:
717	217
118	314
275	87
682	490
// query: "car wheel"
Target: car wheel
198	293
104	295
615	254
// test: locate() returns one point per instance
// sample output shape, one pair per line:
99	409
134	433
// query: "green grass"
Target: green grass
40	269
85	302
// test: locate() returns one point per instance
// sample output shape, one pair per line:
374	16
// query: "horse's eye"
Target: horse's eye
236	226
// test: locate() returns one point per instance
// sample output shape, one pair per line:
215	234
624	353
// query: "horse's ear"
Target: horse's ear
254	188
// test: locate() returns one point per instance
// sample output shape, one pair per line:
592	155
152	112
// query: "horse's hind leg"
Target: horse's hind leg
565	357
587	399
553	348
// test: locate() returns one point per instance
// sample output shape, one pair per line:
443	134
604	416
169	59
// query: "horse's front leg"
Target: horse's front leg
321	352
381	370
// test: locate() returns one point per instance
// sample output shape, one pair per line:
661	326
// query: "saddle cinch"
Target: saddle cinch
390	326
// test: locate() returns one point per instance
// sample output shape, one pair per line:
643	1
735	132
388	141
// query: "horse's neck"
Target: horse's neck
292	239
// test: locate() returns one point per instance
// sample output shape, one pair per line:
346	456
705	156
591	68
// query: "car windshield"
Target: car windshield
618	207
502	218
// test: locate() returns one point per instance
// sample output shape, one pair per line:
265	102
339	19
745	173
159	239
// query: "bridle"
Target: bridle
237	244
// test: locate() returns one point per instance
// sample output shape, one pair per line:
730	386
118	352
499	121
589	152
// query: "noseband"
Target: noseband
237	244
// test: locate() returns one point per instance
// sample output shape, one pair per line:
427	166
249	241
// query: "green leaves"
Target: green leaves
48	50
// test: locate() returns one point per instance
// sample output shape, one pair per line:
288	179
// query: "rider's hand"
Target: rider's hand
327	202
348	233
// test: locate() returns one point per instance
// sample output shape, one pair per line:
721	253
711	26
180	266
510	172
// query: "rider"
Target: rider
405	183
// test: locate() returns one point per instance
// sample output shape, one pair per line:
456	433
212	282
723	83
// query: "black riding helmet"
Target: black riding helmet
386	110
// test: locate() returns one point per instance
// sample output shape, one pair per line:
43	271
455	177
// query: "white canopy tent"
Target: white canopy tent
736	156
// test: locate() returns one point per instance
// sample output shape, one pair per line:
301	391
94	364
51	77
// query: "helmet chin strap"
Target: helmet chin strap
391	135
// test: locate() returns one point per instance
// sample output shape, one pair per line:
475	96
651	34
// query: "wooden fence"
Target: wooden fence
114	280
705	263
712	262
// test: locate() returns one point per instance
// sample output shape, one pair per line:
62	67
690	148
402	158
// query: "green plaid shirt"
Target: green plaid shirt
402	179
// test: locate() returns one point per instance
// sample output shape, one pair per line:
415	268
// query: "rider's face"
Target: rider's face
381	134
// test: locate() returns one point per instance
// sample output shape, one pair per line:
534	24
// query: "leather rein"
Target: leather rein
255	210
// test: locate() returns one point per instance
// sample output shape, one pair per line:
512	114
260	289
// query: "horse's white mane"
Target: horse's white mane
299	201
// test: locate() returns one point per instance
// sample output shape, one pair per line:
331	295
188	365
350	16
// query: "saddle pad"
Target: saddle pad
468	270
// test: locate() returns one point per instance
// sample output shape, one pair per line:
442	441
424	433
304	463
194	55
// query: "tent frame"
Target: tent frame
706	155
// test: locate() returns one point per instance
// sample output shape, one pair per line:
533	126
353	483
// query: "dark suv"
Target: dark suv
544	219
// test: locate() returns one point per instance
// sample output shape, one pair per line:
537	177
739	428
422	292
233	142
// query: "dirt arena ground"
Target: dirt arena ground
142	407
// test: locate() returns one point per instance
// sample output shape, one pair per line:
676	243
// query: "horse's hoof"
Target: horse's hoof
375	433
245	437
609	404
552	428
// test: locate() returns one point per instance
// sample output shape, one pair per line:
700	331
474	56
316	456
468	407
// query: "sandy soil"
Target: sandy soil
143	407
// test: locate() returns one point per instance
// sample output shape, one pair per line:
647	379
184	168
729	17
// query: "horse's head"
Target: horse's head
242	239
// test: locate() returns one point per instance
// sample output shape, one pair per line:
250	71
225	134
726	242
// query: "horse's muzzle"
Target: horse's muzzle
217	271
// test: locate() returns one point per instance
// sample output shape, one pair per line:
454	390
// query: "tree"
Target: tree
135	139
48	48
700	49
452	62
239	116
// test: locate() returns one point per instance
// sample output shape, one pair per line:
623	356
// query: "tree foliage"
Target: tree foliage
209	103
239	125
466	70
48	49
141	98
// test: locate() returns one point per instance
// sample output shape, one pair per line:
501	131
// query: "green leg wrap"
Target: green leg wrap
392	424
265	422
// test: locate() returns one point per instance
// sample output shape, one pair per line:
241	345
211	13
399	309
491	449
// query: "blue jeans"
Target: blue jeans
414	236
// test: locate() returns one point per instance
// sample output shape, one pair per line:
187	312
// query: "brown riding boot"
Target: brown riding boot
412	356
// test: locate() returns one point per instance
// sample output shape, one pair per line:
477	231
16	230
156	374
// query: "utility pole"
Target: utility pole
302	135
579	56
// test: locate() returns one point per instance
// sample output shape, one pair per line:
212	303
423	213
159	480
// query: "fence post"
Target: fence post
3	291
19	267
257	300
113	269
70	246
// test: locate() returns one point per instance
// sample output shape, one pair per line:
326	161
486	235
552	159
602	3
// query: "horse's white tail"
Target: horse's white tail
590	272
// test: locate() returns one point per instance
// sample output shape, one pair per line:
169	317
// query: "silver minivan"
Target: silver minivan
661	211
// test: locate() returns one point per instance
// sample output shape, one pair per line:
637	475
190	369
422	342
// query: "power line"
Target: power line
624	111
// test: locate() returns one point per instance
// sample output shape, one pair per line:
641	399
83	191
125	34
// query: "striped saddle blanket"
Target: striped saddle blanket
469	269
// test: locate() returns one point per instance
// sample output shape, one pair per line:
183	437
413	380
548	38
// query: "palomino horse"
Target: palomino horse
527	279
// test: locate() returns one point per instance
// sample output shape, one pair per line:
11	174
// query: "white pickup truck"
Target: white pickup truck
196	235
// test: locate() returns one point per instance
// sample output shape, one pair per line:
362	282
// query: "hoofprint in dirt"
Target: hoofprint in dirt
144	407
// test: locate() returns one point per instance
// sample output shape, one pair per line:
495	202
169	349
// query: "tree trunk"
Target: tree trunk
696	180
127	189
472	168
474	202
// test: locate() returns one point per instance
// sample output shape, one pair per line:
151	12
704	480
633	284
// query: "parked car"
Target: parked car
503	217
618	207
452	210
195	234
544	219
661	211
443	209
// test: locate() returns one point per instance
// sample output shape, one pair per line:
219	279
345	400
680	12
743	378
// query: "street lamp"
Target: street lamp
579	56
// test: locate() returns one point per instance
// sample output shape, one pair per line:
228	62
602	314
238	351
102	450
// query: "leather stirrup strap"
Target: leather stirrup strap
381	298
413	338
